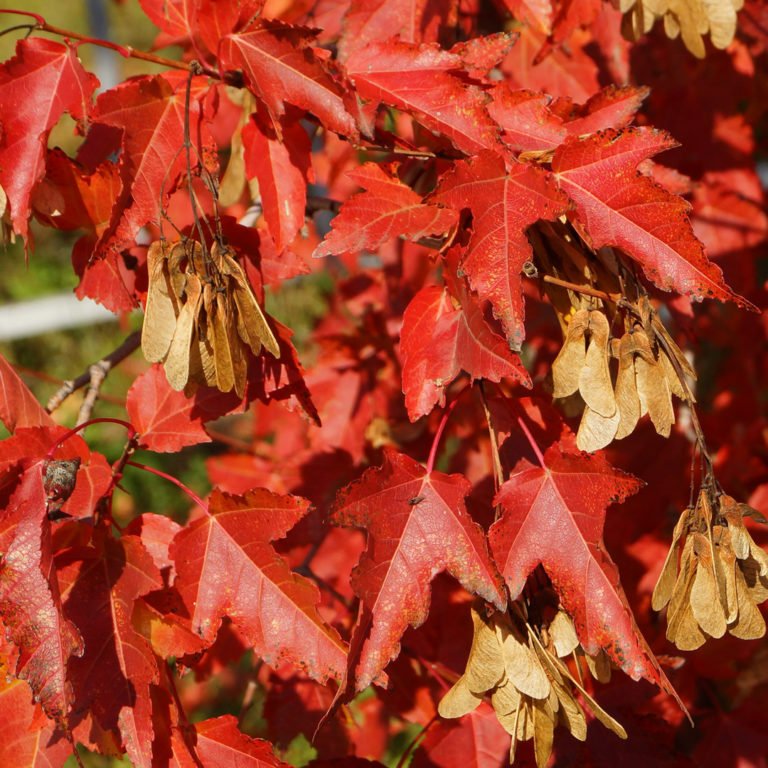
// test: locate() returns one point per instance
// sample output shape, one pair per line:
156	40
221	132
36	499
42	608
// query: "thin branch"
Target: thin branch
106	364
585	289
127	51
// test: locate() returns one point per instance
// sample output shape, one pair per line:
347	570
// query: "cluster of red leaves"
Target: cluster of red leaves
465	124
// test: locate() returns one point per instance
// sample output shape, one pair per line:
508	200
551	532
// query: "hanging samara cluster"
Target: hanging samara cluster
649	371
531	689
689	19
715	575
201	317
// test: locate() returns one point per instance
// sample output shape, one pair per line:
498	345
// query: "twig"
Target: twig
231	78
130	345
440	429
585	289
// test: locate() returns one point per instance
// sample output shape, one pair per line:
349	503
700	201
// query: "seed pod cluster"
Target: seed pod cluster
689	19
530	687
644	383
714	576
201	316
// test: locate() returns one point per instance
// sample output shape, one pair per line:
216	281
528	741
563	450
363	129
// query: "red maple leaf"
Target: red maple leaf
167	420
43	81
417	526
112	679
554	516
427	83
150	113
477	738
504	202
32	741
221	744
30	602
280	67
439	340
616	205
226	566
414	21
283	170
18	406
387	209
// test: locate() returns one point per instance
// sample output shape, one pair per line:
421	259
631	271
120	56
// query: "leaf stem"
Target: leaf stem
103	420
436	441
529	437
192	495
415	742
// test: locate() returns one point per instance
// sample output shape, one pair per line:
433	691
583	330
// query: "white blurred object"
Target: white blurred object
51	313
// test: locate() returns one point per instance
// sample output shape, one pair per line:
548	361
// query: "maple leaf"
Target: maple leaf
30	603
439	340
112	679
427	83
32	741
414	21
74	197
283	170
504	202
477	738
199	22
43	81
226	566
150	113
18	406
220	743
168	420
388	208
616	205
417	526
280	67
554	516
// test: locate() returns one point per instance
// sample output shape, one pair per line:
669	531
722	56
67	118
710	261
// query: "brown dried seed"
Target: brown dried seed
595	378
596	431
705	598
459	701
682	628
162	306
750	623
543	733
522	666
177	363
654	394
627	399
666	583
572	356
563	634
485	666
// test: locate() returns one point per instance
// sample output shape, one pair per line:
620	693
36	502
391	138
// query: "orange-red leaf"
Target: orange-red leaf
387	209
30	603
43	81
227	567
616	205
417	526
554	516
280	67
112	679
504	202
425	81
439	340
